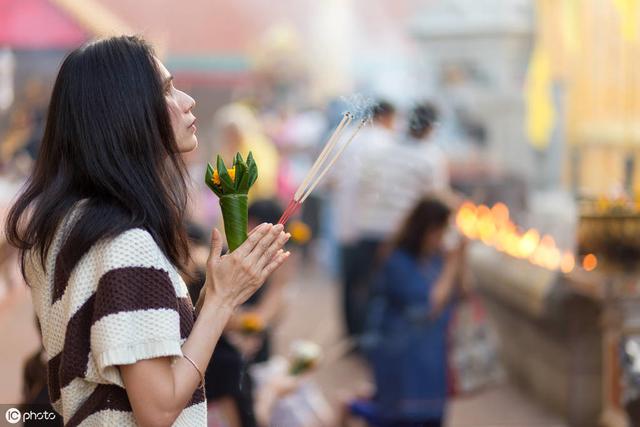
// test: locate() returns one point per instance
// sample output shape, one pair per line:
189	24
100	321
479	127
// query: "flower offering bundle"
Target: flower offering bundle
232	186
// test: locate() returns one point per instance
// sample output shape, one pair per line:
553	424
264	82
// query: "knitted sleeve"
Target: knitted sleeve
136	313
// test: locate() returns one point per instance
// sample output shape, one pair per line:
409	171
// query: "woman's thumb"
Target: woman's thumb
216	245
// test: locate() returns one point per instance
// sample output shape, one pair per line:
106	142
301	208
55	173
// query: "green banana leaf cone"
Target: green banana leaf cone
232	186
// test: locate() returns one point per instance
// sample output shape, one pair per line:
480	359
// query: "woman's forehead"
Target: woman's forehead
164	73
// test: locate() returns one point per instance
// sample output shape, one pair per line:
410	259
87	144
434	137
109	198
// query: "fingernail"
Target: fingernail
279	227
288	235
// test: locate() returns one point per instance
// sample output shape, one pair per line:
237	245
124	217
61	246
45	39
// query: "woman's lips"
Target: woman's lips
193	126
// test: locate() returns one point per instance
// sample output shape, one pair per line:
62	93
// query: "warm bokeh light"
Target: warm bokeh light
529	243
486	229
494	227
590	262
500	213
567	263
466	220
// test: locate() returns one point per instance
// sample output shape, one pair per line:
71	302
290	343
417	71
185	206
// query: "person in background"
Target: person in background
228	385
229	400
408	320
16	136
267	306
239	130
298	136
35	395
391	177
422	122
19	145
357	246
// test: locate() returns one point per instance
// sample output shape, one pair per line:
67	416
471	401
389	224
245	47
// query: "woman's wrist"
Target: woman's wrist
213	301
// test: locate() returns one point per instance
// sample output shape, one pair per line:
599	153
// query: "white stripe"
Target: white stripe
133	248
126	337
108	418
193	416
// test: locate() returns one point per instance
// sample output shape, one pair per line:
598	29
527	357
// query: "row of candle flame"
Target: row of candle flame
494	227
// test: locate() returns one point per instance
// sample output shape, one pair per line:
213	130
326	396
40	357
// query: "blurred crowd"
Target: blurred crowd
380	223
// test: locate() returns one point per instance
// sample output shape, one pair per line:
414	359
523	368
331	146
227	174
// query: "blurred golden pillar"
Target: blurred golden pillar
602	87
593	53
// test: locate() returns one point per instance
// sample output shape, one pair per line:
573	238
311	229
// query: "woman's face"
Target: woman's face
180	105
433	240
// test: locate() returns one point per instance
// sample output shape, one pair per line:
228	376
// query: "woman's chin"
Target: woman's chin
189	145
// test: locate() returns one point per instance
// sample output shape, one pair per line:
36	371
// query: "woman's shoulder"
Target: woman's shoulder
135	247
131	240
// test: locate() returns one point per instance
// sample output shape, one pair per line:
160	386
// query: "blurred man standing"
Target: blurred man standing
360	241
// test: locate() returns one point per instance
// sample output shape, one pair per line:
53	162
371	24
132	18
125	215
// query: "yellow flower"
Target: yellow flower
216	175
300	232
251	323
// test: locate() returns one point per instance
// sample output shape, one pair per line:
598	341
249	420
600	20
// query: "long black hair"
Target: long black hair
428	215
108	139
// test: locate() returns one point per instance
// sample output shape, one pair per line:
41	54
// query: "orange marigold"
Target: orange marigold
216	175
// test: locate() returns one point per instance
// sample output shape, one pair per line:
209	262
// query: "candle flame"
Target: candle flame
494	227
590	262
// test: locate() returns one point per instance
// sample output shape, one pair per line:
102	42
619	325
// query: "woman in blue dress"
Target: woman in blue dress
406	339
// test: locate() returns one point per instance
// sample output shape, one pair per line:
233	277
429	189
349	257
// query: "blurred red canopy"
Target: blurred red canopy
38	24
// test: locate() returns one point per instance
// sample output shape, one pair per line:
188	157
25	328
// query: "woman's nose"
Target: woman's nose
189	102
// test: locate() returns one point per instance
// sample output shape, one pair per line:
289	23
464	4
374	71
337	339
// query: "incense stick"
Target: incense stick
291	210
346	120
312	179
326	169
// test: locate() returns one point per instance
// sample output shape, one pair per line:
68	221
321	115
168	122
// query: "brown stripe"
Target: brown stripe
104	397
197	397
53	374
112	397
133	288
187	316
77	342
123	289
61	274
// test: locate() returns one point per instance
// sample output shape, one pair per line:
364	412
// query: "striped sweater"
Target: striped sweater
122	302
